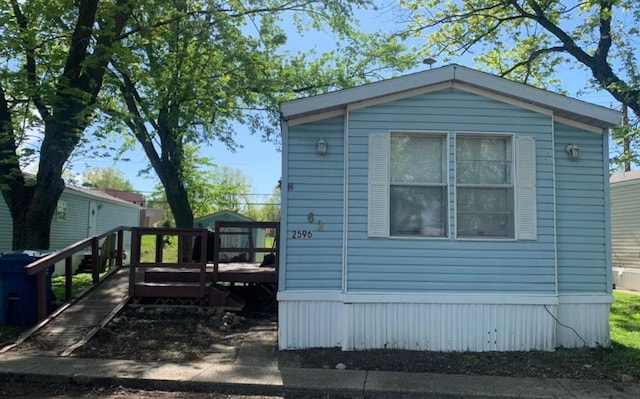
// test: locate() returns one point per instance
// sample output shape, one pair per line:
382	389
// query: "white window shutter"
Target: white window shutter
378	204
526	210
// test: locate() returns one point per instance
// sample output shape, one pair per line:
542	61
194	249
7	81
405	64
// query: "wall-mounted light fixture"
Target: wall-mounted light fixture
573	151
322	146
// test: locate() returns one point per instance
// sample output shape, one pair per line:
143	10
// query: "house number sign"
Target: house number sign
307	234
301	234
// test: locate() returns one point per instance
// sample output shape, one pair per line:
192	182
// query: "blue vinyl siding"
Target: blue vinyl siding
316	185
578	228
580	211
449	265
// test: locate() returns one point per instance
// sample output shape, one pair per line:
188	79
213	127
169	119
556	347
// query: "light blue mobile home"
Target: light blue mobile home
446	210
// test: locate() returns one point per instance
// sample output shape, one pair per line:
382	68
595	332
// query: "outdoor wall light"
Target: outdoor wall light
573	151
322	146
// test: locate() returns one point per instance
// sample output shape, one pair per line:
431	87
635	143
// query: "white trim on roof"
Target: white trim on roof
579	125
98	196
625	176
566	107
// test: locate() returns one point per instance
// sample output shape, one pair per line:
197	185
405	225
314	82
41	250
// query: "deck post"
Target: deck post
68	278
42	295
120	249
135	258
159	245
95	259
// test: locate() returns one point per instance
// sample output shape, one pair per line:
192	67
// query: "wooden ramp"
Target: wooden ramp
72	326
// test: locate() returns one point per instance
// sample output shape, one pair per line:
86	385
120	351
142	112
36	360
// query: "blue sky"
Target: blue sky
261	161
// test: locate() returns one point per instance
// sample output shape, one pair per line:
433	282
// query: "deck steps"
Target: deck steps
162	275
169	289
220	296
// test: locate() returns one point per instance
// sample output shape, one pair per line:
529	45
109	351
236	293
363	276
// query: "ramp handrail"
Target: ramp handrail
40	266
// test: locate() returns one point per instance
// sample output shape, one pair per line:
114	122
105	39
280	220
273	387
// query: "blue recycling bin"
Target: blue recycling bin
19	294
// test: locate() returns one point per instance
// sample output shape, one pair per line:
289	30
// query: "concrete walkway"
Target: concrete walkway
256	372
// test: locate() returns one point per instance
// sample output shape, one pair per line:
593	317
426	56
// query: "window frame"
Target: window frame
61	211
446	183
511	153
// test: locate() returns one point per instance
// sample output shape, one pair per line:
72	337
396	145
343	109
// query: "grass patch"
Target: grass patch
625	320
148	248
80	282
624	324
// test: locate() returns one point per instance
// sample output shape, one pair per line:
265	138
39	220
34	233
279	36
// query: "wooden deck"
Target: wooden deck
192	275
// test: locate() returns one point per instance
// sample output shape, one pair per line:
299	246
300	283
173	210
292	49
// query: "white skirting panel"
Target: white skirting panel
626	278
309	324
585	321
449	327
501	323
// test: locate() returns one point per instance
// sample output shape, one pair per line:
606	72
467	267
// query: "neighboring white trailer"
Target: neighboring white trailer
625	229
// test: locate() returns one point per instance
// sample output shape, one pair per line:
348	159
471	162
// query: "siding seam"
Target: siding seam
345	198
555	210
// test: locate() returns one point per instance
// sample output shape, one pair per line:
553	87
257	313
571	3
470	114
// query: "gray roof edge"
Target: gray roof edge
536	96
336	99
457	73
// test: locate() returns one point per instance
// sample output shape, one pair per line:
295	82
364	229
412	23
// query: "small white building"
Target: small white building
625	229
80	213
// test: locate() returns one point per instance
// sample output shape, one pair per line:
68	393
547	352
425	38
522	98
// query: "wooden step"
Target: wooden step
169	290
222	297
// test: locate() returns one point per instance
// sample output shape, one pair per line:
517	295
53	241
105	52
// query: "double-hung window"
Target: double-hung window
418	185
495	186
484	187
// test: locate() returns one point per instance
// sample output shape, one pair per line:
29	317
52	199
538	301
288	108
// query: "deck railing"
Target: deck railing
40	266
183	260
222	228
194	252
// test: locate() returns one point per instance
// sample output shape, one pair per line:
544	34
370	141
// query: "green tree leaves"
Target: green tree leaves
528	40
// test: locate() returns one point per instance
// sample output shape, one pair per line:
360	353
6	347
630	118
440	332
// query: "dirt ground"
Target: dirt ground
174	334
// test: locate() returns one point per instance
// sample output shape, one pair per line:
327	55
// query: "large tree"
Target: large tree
197	68
528	40
53	56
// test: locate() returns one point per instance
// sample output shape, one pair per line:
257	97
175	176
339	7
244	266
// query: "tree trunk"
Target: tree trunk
33	207
176	194
32	216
